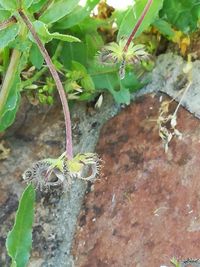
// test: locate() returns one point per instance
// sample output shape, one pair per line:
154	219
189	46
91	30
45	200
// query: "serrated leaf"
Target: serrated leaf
64	37
8	35
133	14
9	4
58	10
184	15
19	240
77	15
46	36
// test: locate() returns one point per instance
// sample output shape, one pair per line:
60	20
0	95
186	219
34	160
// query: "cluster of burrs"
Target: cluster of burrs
48	173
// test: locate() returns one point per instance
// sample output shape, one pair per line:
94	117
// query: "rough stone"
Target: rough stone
168	77
145	208
37	135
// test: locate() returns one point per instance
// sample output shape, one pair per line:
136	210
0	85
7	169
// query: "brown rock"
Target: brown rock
145	208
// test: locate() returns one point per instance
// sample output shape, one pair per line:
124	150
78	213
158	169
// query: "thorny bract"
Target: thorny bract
54	172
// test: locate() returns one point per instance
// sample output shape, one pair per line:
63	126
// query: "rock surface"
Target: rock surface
145	208
37	134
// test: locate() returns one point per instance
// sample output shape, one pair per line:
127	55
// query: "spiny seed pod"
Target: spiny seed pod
80	164
41	176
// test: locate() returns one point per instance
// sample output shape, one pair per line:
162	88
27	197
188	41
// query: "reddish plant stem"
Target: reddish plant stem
137	25
54	73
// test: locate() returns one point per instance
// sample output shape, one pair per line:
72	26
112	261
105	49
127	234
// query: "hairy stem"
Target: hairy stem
69	149
6	23
137	25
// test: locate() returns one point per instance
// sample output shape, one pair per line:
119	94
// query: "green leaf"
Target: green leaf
9	4
58	10
107	78
8	35
82	52
133	14
19	240
37	5
64	37
88	84
79	67
4	14
46	36
184	15
94	43
36	57
82	74
77	15
112	83
164	27
27	3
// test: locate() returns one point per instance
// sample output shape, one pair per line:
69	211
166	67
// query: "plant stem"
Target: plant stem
31	80
137	25
7	23
184	93
10	73
6	58
9	77
39	73
69	149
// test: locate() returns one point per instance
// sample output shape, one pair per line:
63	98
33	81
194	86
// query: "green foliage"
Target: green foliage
27	3
184	15
4	14
74	39
46	36
58	10
107	77
77	15
175	262
11	106
9	5
15	37
19	240
133	14
36	57
164	27
8	35
81	37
